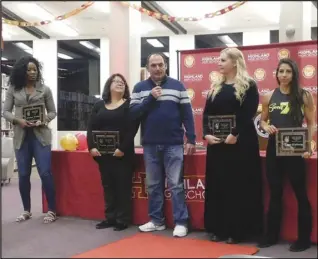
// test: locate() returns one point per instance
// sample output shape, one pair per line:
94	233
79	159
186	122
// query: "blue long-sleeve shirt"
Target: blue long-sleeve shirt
163	119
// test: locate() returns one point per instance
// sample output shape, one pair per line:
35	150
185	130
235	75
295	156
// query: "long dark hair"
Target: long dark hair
106	92
18	77
296	100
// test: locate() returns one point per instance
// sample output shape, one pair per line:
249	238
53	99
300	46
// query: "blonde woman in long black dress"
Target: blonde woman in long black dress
233	200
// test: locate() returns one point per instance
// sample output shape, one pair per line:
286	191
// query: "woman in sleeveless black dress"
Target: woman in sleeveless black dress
286	107
233	197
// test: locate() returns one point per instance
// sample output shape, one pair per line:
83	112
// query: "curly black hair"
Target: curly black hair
106	92
18	76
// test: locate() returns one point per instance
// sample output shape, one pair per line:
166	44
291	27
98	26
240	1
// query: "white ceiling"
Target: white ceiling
92	22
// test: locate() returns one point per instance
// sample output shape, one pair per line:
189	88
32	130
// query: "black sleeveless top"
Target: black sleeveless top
279	111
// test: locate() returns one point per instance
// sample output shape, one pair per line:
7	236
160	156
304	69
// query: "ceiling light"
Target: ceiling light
90	45
40	13
24	47
166	54
87	44
30	51
226	39
64	56
231	45
2	58
155	43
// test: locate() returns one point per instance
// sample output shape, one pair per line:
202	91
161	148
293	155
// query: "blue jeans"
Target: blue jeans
32	147
161	160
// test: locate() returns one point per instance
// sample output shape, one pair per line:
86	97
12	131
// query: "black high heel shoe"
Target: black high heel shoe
120	226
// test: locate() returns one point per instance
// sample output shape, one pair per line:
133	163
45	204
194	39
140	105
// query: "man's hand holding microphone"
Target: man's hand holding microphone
156	91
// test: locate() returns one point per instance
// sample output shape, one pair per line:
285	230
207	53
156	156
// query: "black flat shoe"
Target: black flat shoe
232	241
266	242
299	246
105	224
215	238
120	226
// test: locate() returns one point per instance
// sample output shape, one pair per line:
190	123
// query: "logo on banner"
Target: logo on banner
189	61
307	53
191	93
197	111
193	78
259	74
205	93
283	53
214	76
259	130
199	144
309	71
311	89
258	57
263	91
194	187
210	60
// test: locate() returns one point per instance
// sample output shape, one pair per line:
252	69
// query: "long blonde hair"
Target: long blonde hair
242	79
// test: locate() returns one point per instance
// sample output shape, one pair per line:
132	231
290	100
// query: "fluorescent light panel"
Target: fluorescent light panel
166	54
4	59
64	56
90	45
24	47
40	13
155	43
227	41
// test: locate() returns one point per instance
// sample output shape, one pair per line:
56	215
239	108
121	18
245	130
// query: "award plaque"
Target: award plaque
107	141
292	141
221	126
33	113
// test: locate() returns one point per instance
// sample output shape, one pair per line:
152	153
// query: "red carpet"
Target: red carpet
144	245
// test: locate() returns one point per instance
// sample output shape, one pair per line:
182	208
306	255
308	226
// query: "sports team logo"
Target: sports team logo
191	93
283	53
309	71
258	128
214	76
189	61
259	74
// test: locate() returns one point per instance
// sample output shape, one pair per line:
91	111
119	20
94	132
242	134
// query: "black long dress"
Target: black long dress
233	196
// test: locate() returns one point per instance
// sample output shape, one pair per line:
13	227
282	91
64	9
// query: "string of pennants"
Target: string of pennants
160	16
142	10
57	18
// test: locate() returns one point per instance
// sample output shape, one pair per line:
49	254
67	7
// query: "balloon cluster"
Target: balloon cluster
70	142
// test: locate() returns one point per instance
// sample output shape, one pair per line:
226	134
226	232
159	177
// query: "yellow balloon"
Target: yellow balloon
69	142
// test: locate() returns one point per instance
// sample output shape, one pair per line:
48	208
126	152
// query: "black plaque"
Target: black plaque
221	126
107	141
292	141
34	113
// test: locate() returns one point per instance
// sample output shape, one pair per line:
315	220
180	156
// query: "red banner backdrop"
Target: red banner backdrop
199	69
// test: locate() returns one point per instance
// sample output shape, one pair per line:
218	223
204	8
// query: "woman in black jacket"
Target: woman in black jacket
112	114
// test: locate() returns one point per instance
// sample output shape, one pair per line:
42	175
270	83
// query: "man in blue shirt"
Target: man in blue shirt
163	106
